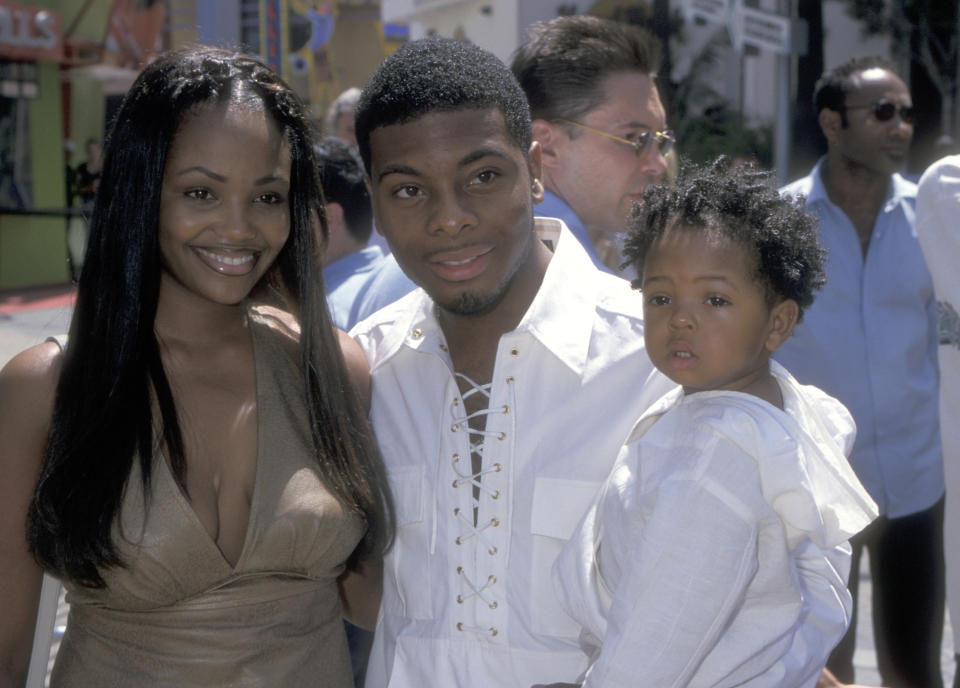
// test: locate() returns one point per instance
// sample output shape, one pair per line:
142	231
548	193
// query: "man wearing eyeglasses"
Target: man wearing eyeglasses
870	340
599	121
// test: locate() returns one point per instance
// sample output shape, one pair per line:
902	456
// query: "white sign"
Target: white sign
747	26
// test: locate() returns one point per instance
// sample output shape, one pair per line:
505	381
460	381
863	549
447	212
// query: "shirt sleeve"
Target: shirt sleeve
691	553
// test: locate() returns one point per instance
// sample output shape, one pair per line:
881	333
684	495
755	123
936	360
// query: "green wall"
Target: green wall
33	250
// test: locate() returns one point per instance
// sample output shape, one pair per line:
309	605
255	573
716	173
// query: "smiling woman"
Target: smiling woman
196	466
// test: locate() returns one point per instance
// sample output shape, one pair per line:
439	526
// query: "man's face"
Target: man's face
598	177
453	195
867	142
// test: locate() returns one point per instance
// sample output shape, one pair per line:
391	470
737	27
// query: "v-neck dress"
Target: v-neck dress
178	614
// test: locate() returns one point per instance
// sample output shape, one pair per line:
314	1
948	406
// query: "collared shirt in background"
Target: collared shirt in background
870	340
362	283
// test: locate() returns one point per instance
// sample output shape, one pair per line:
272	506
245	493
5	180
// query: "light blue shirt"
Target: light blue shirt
870	340
362	283
554	206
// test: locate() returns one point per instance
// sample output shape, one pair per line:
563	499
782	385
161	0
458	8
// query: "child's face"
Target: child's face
707	324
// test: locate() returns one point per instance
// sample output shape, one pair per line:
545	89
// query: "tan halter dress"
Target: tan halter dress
180	615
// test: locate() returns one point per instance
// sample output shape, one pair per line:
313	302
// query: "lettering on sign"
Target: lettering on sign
29	33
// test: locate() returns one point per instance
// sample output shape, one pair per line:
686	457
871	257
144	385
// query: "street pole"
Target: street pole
783	133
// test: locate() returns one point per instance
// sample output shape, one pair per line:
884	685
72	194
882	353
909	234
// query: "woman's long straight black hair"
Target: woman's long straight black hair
112	372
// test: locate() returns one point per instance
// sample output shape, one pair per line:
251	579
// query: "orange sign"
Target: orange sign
29	33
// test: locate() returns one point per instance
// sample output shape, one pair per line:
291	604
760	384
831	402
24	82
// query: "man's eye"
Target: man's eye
486	176
407	191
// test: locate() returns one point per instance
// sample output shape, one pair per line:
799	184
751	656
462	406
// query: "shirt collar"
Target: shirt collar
897	190
560	316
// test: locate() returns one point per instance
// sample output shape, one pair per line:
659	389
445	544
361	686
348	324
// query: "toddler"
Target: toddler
716	552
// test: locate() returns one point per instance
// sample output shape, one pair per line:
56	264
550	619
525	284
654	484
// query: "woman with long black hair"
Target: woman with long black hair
196	466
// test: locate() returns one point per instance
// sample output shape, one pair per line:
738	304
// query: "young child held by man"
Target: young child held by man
716	552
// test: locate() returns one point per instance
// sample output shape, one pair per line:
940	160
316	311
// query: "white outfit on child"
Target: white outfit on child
716	553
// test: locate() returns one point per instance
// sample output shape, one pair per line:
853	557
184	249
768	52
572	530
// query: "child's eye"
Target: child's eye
658	300
717	301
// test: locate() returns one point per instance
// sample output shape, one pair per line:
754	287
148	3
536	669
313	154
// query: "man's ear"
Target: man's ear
831	122
783	318
535	169
334	219
552	140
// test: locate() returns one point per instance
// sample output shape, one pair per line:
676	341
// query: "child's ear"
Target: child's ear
783	317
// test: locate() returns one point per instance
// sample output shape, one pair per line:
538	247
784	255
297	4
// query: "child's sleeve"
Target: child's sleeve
692	556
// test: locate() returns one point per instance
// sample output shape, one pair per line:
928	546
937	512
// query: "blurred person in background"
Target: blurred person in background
870	340
359	278
601	126
938	207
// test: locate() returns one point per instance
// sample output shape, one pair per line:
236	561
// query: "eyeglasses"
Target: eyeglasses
884	110
665	139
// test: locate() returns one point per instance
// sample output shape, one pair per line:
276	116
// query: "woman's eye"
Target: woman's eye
270	198
199	194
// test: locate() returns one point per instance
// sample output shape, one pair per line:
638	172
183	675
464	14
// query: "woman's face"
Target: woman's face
224	203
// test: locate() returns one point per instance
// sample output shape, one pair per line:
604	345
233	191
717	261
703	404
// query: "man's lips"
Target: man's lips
461	264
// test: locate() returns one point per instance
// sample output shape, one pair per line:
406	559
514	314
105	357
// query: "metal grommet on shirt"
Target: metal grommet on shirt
493	605
456	458
460	626
502	436
459	599
459	570
497	467
456	511
495	522
506	409
455	427
495	495
417	333
509	378
493	631
514	352
443	347
492	551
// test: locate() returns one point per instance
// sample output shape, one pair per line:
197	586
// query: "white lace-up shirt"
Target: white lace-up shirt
471	603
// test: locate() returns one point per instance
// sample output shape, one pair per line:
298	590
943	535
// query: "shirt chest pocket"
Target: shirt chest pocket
558	505
407	587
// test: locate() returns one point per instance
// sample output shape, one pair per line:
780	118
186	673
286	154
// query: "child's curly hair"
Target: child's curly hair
742	205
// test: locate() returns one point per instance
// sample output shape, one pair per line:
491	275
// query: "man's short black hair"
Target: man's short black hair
834	85
342	181
440	75
562	66
742	205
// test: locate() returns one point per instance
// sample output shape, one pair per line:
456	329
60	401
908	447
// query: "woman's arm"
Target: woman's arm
357	368
360	592
27	386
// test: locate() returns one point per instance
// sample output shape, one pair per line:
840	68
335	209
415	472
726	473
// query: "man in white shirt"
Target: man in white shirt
501	389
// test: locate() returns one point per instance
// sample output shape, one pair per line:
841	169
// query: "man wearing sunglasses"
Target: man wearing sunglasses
870	340
599	121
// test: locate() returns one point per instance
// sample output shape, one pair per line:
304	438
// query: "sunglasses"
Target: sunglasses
664	139
884	110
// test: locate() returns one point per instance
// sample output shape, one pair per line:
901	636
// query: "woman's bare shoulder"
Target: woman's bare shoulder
28	384
31	374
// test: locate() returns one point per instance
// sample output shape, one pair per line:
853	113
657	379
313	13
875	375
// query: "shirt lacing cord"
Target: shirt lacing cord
468	477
